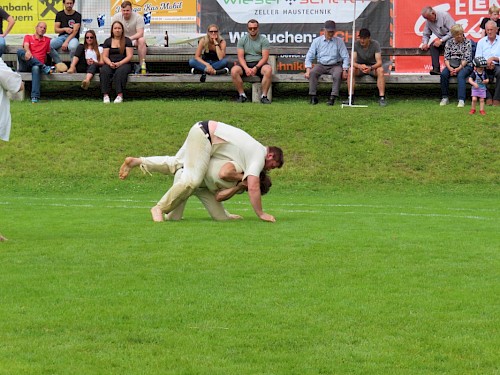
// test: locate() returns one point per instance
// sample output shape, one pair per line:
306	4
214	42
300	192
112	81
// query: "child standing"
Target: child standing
478	79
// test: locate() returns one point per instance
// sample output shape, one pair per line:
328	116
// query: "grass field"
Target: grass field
383	260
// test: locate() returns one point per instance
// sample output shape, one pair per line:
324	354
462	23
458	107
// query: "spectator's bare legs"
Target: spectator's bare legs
2	238
127	165
72	68
267	77
236	73
380	81
473	104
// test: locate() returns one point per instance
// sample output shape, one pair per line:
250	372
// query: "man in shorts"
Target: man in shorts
367	61
253	55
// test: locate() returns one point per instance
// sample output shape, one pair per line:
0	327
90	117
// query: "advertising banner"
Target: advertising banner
409	25
161	12
296	22
28	13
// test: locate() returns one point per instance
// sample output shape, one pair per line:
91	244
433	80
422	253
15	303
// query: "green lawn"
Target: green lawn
383	260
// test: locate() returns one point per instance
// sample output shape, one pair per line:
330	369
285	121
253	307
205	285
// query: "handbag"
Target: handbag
455	63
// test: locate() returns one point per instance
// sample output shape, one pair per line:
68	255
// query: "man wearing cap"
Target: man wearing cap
332	58
439	24
367	59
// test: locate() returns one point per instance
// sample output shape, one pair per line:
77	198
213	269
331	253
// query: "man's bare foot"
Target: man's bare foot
157	214
2	238
127	165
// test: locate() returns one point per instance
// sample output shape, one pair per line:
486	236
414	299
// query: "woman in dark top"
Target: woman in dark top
210	56
87	59
117	53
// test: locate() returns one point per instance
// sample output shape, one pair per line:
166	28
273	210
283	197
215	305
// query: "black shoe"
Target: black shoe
203	77
220	72
196	71
434	72
314	100
265	100
382	102
331	101
241	99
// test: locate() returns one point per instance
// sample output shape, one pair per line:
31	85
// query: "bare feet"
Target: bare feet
85	84
157	214
2	238
127	165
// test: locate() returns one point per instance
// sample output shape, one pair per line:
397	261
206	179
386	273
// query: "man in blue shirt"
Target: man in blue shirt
331	57
489	48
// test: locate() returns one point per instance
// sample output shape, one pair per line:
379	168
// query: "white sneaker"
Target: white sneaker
105	100
444	101
118	99
461	104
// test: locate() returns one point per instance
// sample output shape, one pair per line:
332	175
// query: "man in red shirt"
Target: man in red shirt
32	58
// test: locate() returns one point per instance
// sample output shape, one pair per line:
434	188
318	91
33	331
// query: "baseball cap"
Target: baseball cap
330	25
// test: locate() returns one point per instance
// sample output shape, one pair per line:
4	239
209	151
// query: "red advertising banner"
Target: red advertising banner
409	25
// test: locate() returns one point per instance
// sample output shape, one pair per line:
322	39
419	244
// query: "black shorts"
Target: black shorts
251	65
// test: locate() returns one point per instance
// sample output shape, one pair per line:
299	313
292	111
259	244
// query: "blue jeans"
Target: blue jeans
2	45
34	66
462	76
57	43
221	64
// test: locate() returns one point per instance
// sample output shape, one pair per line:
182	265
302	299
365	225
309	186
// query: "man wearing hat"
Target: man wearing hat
331	57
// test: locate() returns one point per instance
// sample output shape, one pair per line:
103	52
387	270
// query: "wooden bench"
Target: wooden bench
183	54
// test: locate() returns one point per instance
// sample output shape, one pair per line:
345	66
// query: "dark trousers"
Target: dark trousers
493	76
119	76
318	70
435	53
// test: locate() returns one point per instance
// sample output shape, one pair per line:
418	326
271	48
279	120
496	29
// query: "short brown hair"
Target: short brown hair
126	4
277	155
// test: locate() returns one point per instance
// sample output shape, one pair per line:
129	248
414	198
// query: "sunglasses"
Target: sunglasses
253	28
89	37
213	31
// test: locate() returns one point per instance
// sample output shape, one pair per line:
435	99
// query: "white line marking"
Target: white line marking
273	207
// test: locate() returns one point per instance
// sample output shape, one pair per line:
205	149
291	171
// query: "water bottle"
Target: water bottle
143	66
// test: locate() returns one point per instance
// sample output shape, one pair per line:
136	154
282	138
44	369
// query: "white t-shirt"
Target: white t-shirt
9	82
240	147
90	54
212	181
